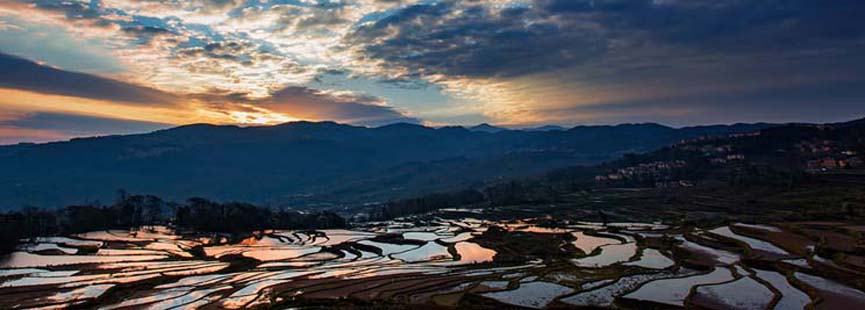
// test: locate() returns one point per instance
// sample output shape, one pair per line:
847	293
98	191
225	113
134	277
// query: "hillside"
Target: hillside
782	155
785	170
305	163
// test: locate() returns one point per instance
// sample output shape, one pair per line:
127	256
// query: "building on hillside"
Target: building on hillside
821	164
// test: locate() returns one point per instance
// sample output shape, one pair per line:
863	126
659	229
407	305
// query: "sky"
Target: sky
76	68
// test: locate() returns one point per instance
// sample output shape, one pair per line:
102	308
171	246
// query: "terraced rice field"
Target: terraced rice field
436	262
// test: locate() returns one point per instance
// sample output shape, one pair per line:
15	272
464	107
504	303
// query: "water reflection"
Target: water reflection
432	262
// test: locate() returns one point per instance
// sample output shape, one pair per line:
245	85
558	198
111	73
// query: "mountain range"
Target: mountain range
311	164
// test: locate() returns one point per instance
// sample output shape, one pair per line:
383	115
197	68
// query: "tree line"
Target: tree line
130	211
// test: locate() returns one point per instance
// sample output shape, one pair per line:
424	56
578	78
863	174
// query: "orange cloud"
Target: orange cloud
28	101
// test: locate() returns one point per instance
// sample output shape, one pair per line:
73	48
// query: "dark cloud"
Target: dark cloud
328	17
221	50
319	19
19	73
79	125
727	25
72	9
475	41
245	53
145	30
459	38
146	34
93	14
89	12
308	103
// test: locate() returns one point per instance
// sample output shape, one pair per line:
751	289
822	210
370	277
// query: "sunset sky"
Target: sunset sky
81	68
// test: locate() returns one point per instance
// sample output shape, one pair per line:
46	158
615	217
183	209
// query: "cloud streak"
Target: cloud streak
50	126
50	102
19	73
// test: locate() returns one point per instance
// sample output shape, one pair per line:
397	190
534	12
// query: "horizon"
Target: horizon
469	127
83	68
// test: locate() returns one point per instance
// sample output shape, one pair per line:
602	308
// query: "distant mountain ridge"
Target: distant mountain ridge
546	128
487	128
310	163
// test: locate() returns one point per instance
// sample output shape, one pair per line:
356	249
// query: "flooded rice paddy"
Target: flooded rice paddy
432	261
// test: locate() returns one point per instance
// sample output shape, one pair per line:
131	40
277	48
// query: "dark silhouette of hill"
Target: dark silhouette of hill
487	128
309	163
546	128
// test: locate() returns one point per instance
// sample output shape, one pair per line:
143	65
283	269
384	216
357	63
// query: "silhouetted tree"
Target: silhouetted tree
135	210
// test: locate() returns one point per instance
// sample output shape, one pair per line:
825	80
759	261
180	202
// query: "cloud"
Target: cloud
51	43
503	61
825	101
16	126
461	39
19	73
539	61
73	10
304	103
481	39
72	125
111	97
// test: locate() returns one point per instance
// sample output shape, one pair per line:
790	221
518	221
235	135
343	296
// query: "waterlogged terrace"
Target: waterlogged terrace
433	261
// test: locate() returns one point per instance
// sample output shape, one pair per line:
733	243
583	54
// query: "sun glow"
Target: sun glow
259	116
191	111
28	101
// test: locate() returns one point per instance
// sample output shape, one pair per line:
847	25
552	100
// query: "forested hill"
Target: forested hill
310	164
781	154
786	168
